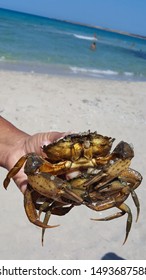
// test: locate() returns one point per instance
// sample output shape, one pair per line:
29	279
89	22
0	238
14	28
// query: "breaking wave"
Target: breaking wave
99	73
90	38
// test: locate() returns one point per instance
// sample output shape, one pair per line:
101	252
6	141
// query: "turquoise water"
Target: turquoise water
33	43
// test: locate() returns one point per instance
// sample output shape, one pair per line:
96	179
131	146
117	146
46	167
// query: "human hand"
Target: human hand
15	143
27	145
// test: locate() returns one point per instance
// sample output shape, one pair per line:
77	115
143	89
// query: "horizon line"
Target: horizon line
84	24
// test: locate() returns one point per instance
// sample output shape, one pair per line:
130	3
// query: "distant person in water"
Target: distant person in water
93	46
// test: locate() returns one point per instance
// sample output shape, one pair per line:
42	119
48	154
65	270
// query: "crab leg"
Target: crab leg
56	208
136	202
115	170
125	209
53	187
119	169
43	207
131	176
14	170
134	179
31	211
108	175
60	211
45	222
54	169
72	196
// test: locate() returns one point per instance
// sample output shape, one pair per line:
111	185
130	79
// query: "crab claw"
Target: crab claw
31	211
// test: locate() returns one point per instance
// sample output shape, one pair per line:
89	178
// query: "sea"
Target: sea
43	45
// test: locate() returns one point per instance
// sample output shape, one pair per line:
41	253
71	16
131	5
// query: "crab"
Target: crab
79	170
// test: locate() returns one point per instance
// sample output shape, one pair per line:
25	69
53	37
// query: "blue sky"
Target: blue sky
123	15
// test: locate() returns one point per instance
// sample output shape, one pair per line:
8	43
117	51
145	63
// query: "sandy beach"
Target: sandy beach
37	103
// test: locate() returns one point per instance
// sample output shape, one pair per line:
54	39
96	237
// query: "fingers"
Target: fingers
35	142
50	137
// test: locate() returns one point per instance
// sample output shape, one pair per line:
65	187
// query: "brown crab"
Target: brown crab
104	179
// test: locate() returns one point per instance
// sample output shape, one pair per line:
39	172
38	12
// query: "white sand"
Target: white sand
37	103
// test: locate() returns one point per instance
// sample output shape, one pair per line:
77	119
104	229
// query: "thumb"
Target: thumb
35	142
